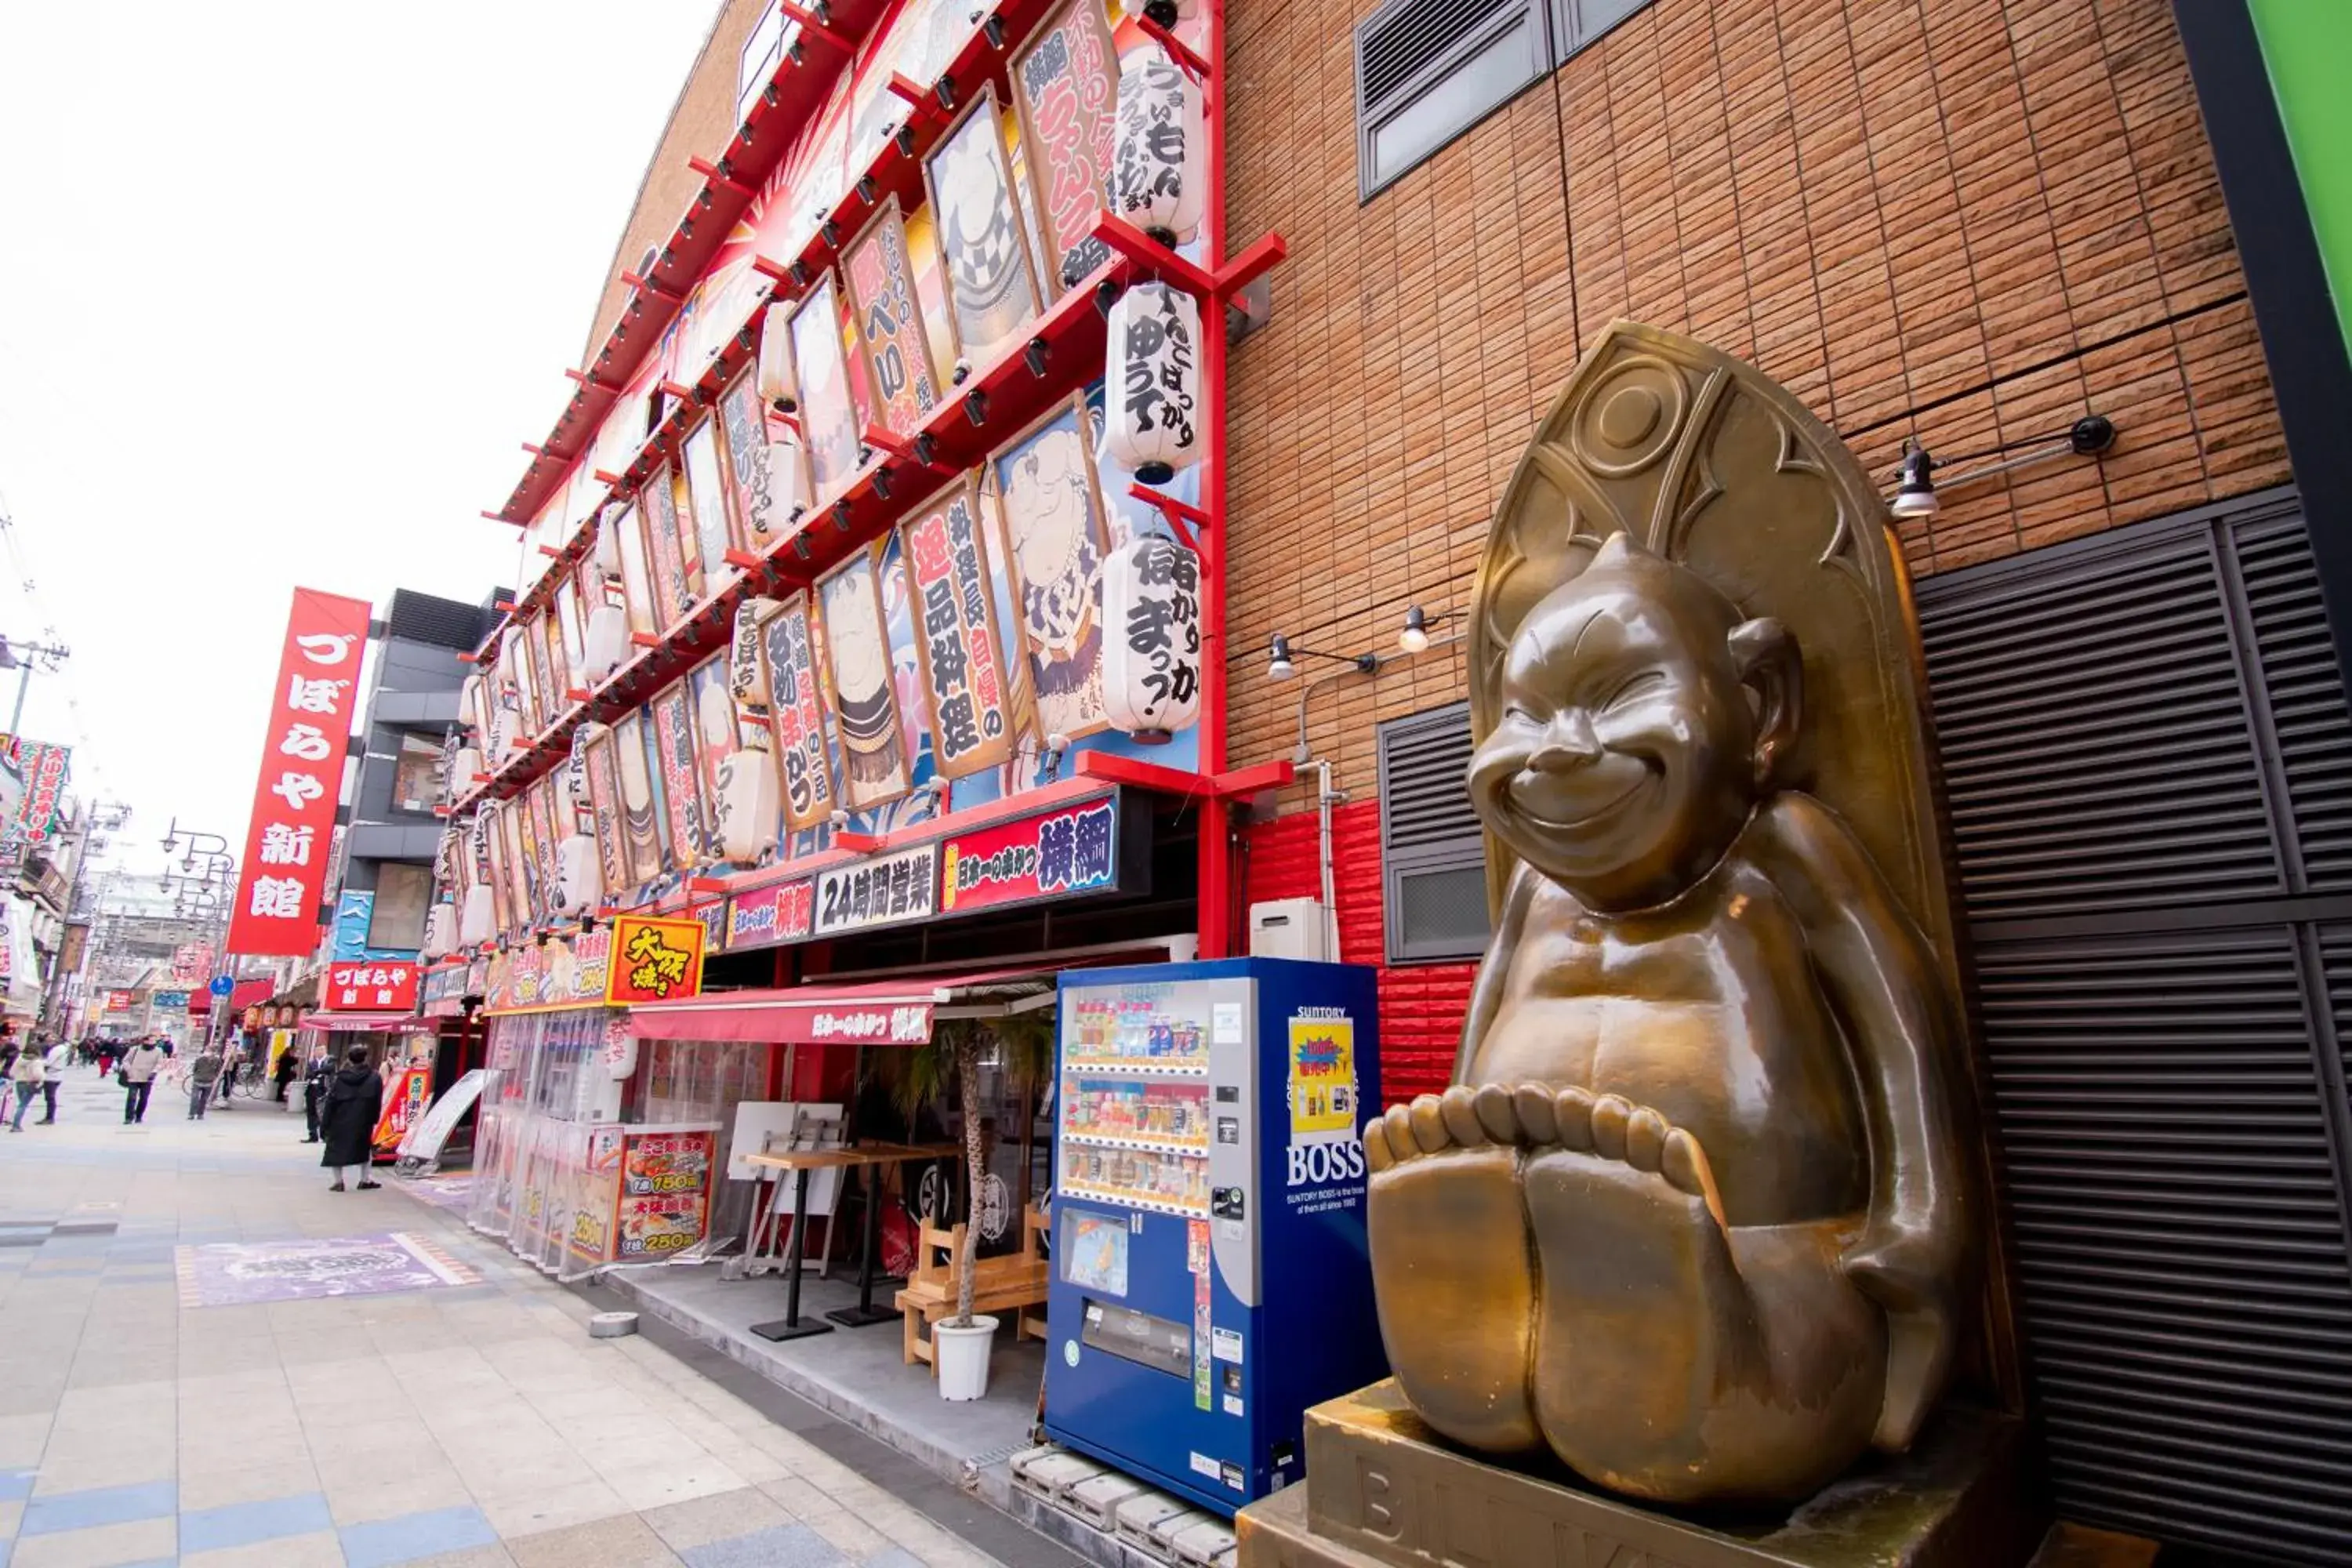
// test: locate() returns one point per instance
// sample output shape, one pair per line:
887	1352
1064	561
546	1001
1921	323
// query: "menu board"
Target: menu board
664	1191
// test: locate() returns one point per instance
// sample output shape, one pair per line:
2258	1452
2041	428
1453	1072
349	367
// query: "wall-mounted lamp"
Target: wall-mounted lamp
1917	491
1413	637
1279	654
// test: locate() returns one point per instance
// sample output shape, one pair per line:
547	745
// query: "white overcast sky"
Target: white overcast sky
283	285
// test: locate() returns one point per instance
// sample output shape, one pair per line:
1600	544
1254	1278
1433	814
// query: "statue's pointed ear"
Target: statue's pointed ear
1764	654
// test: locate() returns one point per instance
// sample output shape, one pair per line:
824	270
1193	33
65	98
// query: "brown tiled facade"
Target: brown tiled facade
1953	219
702	119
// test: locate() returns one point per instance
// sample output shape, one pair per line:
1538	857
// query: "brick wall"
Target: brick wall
700	125
1955	218
1421	1006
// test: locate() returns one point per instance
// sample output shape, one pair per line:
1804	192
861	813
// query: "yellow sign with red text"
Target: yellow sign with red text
654	960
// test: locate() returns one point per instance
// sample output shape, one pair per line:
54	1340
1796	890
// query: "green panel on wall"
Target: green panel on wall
2307	49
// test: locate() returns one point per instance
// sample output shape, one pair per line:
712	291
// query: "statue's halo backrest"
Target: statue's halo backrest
1705	460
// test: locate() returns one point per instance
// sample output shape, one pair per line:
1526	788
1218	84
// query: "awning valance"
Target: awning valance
368	1023
874	1013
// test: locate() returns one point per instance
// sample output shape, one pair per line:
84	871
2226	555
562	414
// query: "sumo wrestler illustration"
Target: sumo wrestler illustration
1699	1213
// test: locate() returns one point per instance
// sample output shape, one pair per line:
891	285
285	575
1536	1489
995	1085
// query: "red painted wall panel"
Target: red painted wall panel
1422	1004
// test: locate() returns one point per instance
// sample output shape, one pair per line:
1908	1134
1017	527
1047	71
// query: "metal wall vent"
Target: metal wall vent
2149	771
1432	850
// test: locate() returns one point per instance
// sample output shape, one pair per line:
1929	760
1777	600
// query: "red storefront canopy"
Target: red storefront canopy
250	993
875	1013
368	1023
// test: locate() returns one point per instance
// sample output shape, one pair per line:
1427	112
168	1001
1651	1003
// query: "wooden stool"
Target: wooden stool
1012	1284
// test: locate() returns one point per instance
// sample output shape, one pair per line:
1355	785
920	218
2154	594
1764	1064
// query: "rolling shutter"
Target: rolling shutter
1433	851
2149	771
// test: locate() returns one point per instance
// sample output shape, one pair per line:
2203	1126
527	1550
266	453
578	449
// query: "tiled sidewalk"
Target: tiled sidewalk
466	1425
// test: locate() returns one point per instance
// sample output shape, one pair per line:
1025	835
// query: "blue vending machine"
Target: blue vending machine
1211	1277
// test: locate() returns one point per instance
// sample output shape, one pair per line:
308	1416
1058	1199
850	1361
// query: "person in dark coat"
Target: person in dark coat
354	1103
282	1074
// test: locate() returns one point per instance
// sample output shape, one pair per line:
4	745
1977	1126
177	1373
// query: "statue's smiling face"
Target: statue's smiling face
1622	760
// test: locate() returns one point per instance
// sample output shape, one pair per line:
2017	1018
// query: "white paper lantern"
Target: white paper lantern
575	775
440	930
608	542
747	805
604	644
1151	638
504	724
579	876
480	921
1157	179
1151	393
746	672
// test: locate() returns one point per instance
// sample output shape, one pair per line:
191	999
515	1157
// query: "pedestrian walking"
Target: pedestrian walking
283	1072
54	1062
230	1066
105	1058
24	1074
203	1073
315	1079
137	1076
353	1102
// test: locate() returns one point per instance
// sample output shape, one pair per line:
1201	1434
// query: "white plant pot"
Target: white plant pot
962	1356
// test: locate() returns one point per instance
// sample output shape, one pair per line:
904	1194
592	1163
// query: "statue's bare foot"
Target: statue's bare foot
1676	1359
1456	1285
1643	1320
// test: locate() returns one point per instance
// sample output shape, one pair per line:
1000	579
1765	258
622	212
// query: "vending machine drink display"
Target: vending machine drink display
1210	1279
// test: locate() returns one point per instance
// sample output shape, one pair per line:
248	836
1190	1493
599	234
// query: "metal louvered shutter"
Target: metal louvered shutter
2149	764
1427	70
1433	851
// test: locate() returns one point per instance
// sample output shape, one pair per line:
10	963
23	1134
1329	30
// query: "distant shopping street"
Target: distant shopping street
211	1359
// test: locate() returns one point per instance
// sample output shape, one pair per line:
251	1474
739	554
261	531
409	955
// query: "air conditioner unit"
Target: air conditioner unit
1290	928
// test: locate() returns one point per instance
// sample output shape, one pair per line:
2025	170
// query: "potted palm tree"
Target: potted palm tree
960	1346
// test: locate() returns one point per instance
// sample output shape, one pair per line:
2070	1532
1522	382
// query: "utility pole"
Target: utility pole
12	657
101	818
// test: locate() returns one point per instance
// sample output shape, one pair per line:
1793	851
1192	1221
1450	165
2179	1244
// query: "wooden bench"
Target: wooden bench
1011	1284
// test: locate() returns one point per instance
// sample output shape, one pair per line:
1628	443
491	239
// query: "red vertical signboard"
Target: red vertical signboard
283	878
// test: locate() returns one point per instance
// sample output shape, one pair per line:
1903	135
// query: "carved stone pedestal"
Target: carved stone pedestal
1383	1492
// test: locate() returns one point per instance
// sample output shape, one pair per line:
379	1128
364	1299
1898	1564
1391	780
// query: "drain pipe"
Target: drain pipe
1324	800
1367	666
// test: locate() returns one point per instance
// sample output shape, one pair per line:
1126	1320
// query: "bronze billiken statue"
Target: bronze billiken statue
1697	1211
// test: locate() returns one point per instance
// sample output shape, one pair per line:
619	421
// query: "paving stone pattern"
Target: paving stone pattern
464	1424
